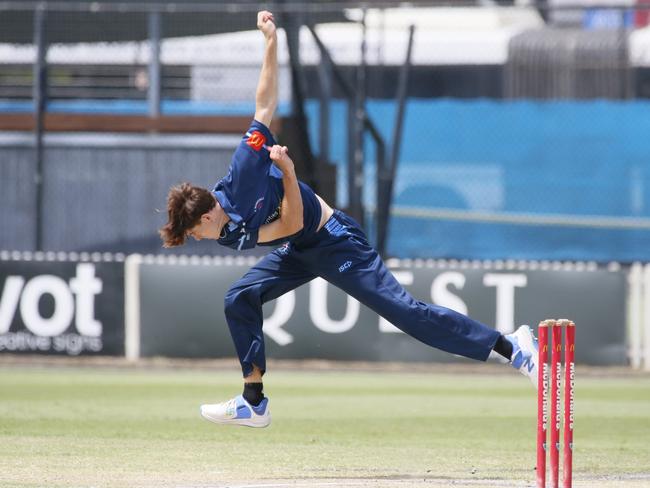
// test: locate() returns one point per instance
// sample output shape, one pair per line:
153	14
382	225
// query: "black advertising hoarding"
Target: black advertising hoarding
65	308
181	310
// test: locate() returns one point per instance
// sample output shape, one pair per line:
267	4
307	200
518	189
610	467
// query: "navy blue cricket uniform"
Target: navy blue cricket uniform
339	252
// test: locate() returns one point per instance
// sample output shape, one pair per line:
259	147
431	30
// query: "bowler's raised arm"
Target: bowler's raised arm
266	96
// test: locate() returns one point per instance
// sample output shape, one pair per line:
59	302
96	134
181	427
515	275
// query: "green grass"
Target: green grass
66	427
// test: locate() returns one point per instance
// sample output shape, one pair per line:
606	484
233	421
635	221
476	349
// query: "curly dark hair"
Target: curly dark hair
185	205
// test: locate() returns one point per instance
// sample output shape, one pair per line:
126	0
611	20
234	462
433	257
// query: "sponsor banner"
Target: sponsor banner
64	308
182	314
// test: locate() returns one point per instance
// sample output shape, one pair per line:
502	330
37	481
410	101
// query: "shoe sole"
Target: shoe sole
259	424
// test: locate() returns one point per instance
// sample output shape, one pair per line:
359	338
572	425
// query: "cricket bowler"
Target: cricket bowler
260	202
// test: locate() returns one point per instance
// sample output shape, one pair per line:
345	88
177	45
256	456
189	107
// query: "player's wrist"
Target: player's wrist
288	170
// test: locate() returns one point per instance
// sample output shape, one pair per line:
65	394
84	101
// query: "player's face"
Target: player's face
210	225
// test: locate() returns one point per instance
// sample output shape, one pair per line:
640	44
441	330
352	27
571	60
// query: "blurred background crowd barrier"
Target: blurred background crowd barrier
482	130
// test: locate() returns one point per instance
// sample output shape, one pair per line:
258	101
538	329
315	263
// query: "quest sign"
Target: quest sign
65	308
181	310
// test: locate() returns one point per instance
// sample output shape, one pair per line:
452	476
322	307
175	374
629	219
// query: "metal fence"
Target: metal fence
522	135
102	193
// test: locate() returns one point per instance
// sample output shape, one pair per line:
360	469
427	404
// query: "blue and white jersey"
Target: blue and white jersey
252	191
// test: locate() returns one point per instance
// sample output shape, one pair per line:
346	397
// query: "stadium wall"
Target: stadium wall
172	306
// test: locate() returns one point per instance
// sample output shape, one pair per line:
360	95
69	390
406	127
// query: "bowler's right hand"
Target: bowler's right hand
266	23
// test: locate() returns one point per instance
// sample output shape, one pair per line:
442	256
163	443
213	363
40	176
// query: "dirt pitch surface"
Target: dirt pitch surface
633	481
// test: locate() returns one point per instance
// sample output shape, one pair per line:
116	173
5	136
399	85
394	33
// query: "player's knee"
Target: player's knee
239	296
230	300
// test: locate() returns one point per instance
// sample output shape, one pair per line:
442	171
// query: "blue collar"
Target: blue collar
227	206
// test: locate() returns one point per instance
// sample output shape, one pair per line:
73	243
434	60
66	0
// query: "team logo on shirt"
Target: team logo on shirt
256	140
274	216
258	203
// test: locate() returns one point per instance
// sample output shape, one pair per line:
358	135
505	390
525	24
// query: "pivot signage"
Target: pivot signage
66	308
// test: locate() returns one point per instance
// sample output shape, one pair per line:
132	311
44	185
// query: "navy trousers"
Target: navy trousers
340	254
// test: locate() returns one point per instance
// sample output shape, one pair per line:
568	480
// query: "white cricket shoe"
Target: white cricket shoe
238	411
524	352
